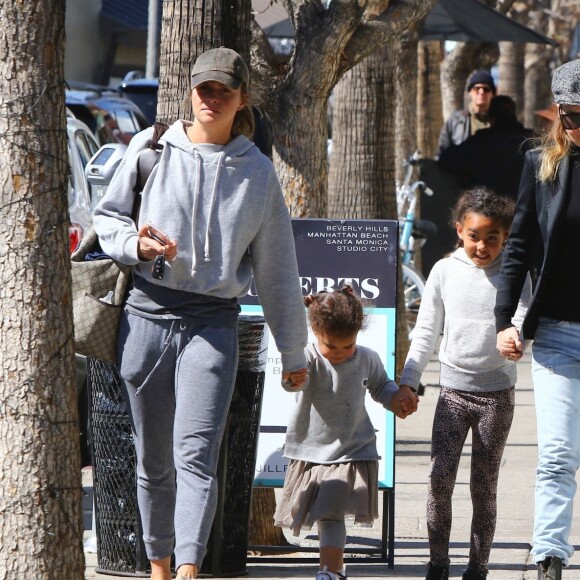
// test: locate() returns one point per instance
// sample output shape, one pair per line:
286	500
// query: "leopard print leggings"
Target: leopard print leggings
489	415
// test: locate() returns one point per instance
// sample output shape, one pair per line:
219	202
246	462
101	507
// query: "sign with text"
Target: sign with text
330	253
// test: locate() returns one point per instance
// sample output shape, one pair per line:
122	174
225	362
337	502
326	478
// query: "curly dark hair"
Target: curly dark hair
339	313
483	201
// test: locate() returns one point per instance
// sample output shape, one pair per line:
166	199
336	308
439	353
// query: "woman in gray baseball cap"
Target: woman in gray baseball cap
212	222
548	215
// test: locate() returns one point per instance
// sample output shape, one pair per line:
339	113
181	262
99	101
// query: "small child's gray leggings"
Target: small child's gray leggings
178	379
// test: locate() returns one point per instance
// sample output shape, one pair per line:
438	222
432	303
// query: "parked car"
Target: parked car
143	92
112	117
82	145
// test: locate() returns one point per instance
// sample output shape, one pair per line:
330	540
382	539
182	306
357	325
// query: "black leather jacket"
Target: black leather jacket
539	206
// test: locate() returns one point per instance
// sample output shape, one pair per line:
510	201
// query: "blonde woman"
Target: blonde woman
548	211
212	217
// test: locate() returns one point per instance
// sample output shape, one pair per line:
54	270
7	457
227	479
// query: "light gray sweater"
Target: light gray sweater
330	423
459	298
224	207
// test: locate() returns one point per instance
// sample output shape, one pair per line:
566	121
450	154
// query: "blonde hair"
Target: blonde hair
244	120
555	145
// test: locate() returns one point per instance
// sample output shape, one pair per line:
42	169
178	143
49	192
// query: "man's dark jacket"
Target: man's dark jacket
455	130
493	157
539	210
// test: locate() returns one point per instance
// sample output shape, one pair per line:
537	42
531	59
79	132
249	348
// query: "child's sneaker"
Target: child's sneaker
324	574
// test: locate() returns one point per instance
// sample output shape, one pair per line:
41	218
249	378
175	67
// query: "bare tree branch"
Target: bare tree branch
398	17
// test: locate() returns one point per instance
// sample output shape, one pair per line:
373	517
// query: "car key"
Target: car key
158	269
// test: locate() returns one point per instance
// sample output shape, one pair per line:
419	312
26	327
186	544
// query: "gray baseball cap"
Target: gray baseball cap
566	83
223	65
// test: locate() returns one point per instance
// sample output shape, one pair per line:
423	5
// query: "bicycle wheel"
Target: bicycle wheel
413	286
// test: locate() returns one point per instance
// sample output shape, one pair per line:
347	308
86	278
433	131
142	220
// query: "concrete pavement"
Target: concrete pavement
510	558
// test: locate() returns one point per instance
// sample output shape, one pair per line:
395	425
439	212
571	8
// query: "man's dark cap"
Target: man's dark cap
481	77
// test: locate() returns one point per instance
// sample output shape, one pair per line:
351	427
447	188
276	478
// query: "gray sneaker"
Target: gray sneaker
324	574
550	569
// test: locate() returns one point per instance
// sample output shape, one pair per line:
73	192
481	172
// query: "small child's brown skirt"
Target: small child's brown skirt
314	491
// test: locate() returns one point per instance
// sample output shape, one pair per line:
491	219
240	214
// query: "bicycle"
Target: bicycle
412	230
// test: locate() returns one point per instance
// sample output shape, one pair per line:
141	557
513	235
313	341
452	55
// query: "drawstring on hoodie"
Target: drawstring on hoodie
212	205
206	248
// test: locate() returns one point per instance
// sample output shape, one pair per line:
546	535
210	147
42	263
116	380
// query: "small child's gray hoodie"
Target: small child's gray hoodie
240	226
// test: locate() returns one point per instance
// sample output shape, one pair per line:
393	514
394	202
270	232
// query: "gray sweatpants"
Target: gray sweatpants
178	380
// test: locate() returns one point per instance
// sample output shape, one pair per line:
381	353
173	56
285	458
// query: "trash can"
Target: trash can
120	549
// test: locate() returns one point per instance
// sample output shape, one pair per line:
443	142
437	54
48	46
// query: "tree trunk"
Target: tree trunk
429	108
406	103
263	532
539	58
300	142
41	527
512	74
362	166
511	63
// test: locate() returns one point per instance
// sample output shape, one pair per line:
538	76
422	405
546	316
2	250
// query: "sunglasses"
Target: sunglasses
483	88
570	121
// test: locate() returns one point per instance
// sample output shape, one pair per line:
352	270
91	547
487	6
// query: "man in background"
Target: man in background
466	122
493	157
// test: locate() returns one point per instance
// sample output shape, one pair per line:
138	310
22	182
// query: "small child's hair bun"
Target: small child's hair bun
308	300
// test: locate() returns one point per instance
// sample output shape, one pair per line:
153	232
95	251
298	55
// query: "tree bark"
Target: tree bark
263	532
41	526
406	102
511	64
362	166
429	108
512	73
557	22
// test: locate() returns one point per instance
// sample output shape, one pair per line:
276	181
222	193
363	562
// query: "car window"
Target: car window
126	122
86	146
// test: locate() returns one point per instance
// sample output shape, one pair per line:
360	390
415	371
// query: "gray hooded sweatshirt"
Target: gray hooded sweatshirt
224	206
459	299
330	423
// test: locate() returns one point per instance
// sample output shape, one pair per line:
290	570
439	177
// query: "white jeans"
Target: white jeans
556	375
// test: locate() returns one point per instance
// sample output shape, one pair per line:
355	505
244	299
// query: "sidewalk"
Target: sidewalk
510	559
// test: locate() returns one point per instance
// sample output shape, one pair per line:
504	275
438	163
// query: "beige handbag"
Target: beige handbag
99	289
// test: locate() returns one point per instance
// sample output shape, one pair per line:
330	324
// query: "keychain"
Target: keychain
158	268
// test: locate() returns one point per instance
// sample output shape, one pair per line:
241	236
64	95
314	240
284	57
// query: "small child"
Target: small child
330	441
477	383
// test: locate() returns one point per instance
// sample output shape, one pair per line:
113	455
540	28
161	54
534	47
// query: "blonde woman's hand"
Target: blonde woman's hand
148	248
509	344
